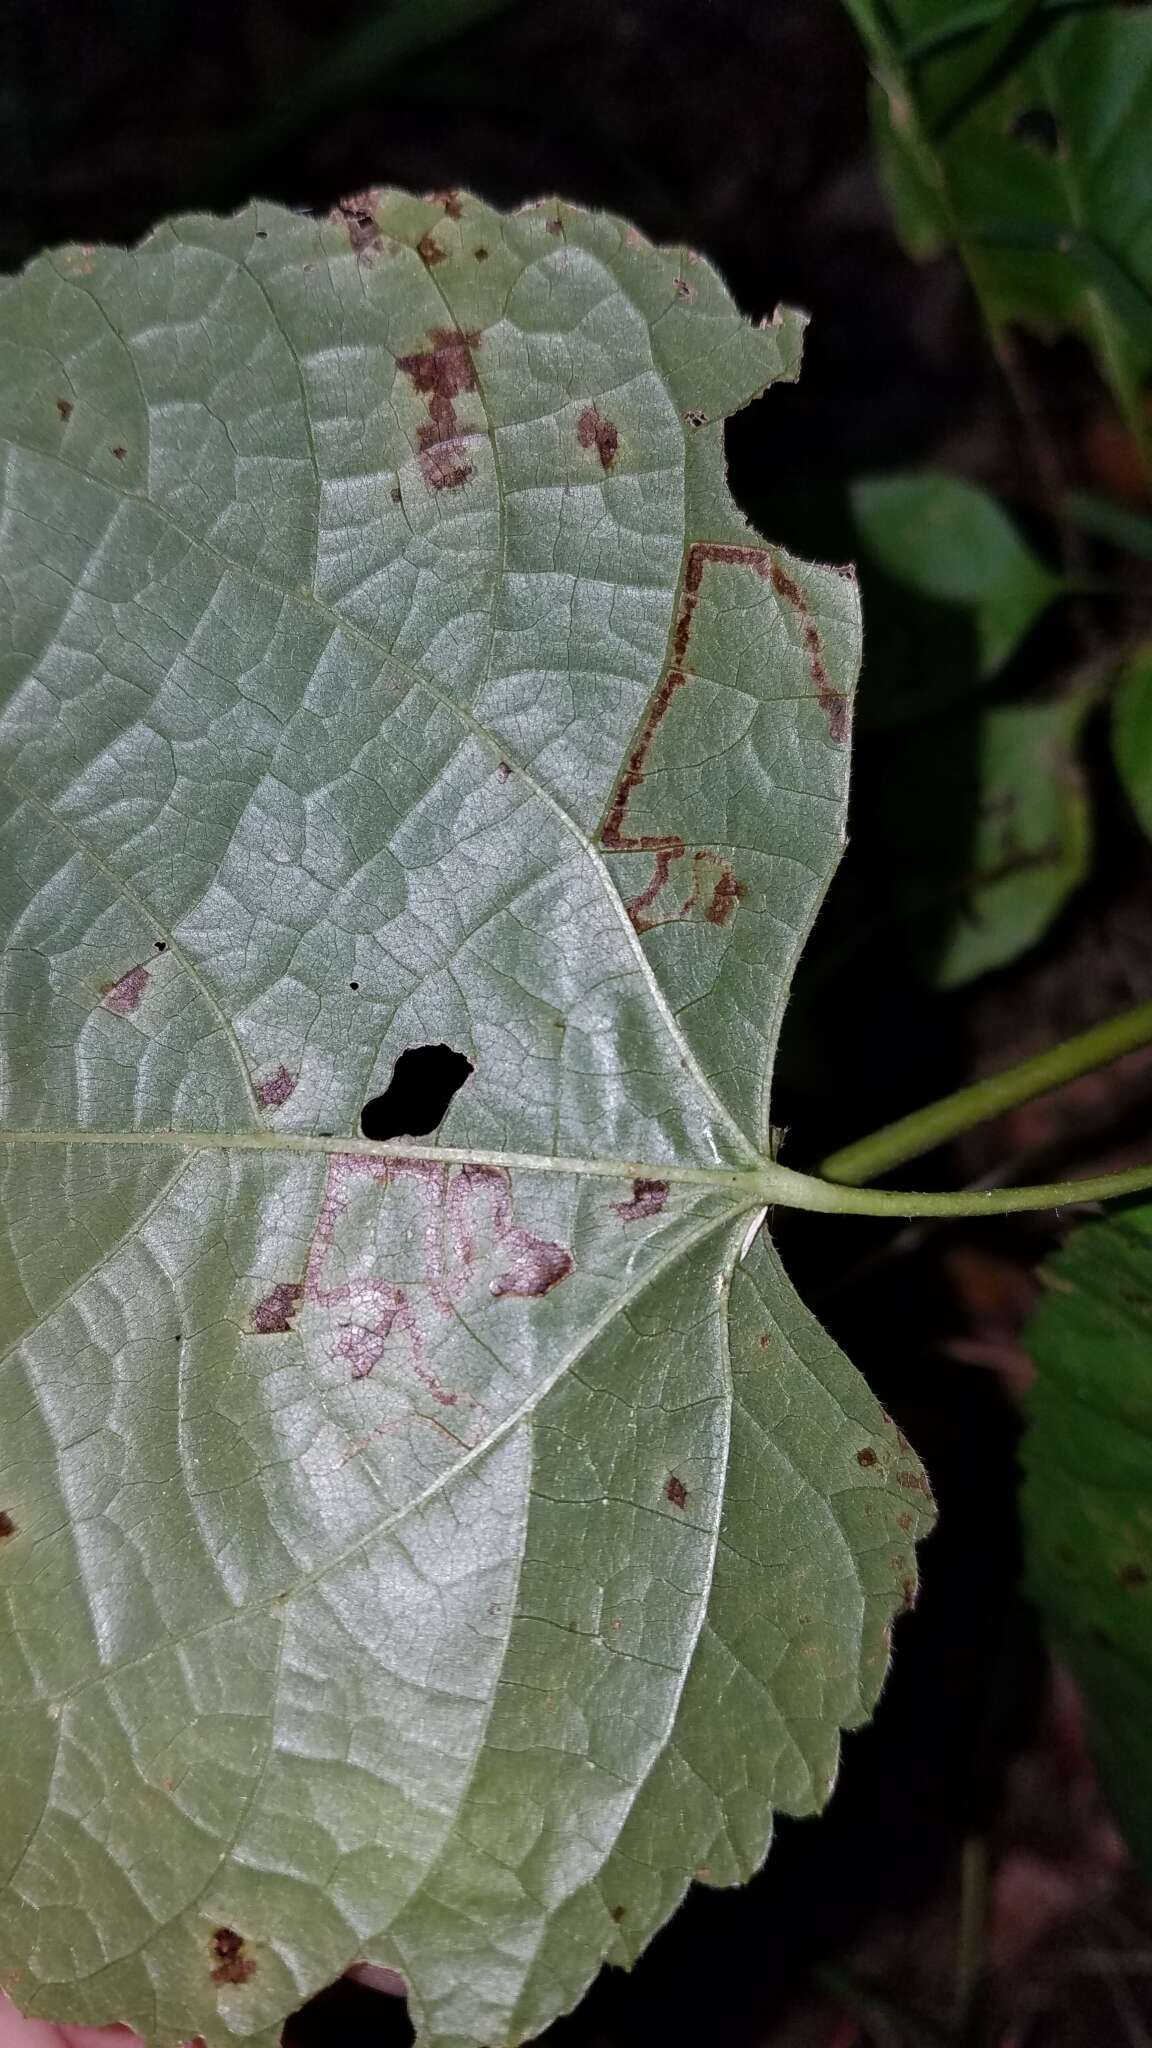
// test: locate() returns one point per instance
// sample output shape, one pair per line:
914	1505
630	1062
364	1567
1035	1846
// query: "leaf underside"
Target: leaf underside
432	1555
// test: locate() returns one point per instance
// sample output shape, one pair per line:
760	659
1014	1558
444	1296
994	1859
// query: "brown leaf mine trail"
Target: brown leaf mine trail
715	889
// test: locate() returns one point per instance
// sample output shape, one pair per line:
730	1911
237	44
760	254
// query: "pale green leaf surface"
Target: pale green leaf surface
431	1554
1087	1497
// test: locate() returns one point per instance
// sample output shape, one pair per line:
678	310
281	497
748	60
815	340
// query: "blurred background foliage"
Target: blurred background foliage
960	193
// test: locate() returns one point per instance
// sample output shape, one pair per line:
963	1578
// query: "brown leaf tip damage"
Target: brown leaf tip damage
649	1197
357	217
230	1964
594	431
124	997
272	1317
278	1086
675	1491
440	374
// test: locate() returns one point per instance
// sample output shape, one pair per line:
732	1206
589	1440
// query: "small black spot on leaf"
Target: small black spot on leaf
415	1102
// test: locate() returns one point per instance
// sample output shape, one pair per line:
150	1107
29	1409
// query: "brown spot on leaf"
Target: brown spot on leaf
272	1317
481	255
683	289
908	1594
357	216
1133	1576
914	1482
649	1197
7	1525
696	419
429	251
276	1089
123	997
554	224
675	1491
594	431
904	1521
833	703
765	1340
440	374
119	451
618	1913
503	771
64	408
867	1457
231	1965
535	1267
397	494
452	203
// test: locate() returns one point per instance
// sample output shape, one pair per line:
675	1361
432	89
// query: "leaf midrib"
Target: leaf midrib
746	1183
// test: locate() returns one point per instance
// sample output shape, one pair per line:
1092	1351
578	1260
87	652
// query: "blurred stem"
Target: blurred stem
910	1136
972	1935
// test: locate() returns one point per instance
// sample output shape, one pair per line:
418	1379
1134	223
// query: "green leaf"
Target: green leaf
989	832
1036	166
1132	734
436	1552
1087	1494
950	543
1117	524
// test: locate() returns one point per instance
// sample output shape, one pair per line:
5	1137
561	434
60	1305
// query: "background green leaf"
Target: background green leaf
989	831
1132	734
950	542
433	1555
1028	151
1088	1493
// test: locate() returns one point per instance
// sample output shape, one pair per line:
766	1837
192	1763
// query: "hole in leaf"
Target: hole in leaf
415	1102
1037	127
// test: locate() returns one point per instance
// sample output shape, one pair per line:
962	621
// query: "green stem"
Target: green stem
868	1158
805	1191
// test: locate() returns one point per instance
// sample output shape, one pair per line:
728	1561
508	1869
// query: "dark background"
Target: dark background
740	127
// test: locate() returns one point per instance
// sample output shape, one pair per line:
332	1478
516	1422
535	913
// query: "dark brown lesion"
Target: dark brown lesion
440	374
649	1198
272	1317
8	1525
230	1964
593	430
675	1491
